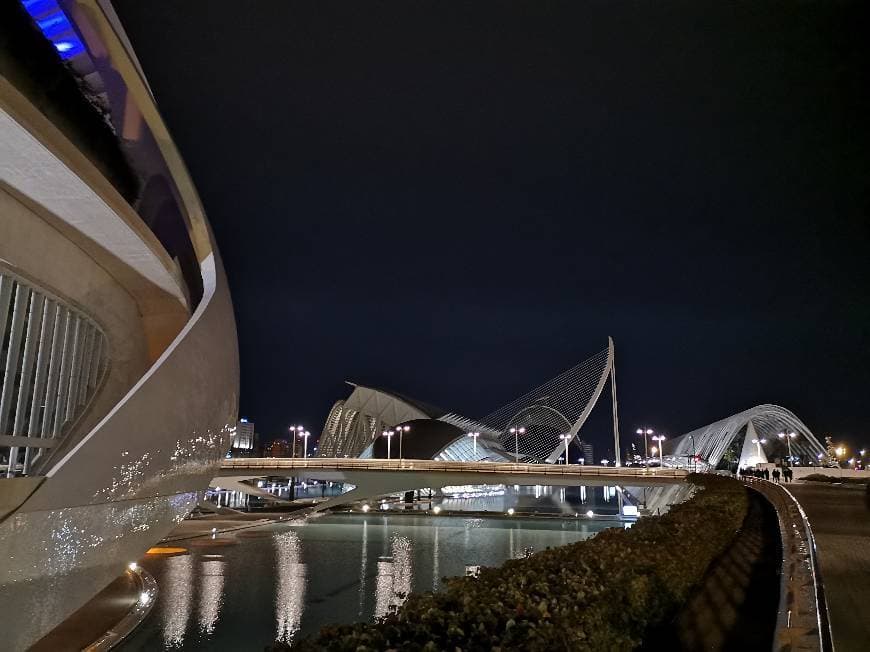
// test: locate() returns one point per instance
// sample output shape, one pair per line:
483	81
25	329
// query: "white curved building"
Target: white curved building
118	352
752	437
536	427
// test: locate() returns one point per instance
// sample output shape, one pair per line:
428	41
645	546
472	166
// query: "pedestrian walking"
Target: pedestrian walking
767	474
776	476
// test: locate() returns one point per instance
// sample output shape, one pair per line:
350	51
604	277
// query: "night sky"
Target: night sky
460	200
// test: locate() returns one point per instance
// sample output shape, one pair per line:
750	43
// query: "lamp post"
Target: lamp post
294	430
660	439
788	436
401	430
566	438
646	432
516	432
305	435
758	443
389	435
474	436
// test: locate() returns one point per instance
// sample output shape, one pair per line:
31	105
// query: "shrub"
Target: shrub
598	594
819	477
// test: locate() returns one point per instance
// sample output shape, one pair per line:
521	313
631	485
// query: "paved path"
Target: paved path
840	519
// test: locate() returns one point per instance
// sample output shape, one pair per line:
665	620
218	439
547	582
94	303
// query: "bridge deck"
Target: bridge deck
297	466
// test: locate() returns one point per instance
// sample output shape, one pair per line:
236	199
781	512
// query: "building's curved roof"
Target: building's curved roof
426	408
710	442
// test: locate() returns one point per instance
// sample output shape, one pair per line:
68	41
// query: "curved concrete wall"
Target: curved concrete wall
34	249
128	481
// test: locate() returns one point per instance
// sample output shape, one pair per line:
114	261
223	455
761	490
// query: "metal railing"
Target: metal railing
802	619
53	358
296	464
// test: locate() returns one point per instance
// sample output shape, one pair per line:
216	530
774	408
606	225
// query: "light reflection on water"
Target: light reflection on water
176	597
285	580
290	592
211	593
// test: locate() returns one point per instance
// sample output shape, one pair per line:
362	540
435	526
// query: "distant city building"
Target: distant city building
279	448
245	438
586	453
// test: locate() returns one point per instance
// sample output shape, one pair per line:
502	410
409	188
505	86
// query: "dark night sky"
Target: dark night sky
460	200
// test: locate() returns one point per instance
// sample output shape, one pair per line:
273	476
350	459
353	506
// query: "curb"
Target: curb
138	612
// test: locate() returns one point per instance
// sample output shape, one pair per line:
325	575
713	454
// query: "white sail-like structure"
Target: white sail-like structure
558	407
764	423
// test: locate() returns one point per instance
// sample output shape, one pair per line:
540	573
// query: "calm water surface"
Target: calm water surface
243	591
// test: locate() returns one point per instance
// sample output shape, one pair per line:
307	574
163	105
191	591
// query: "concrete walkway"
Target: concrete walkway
840	519
94	619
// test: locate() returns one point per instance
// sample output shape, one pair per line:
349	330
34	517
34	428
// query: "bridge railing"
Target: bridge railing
296	464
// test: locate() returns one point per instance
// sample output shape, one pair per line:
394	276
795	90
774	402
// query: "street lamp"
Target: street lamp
758	443
660	439
293	430
516	432
389	435
305	435
646	433
474	436
788	436
566	439
401	430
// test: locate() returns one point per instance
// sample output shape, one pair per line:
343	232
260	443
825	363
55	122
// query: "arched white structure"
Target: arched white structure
763	422
353	423
559	406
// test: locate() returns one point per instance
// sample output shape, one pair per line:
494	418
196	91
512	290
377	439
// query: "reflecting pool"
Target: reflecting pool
244	590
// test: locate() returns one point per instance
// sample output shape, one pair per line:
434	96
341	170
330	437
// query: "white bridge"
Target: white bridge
376	477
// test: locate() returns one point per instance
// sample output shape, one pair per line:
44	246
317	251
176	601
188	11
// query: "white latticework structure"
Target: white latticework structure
533	426
763	423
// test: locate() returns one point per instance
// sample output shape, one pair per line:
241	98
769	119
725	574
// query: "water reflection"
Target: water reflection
394	577
287	580
435	576
290	591
362	568
541	499
176	595
211	593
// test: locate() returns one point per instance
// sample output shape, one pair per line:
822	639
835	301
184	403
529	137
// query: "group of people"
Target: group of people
785	474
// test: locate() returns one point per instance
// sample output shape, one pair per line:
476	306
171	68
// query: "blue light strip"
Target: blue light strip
55	26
